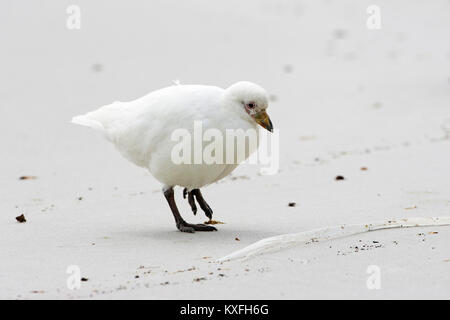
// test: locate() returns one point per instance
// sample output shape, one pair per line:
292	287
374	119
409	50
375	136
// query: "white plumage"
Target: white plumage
142	129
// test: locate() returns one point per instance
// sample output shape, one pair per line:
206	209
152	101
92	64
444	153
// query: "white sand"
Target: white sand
346	97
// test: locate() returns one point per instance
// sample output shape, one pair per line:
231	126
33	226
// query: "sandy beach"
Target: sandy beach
372	106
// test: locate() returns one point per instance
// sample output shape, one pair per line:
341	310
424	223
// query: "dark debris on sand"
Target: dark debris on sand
27	178
21	218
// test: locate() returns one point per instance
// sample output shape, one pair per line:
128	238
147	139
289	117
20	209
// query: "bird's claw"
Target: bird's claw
208	211
203	227
191	228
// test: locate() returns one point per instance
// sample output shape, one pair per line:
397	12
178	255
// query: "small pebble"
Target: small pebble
199	279
21	218
27	178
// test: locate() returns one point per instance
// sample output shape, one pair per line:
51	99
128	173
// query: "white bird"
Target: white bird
142	131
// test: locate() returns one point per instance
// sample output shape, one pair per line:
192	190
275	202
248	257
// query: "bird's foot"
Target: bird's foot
191	228
199	197
182	225
208	211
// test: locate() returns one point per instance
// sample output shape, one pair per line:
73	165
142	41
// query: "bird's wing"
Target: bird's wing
140	127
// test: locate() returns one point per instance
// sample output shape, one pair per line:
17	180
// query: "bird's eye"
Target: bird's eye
251	105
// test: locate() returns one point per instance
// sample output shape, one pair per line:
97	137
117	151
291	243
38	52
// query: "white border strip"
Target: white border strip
288	240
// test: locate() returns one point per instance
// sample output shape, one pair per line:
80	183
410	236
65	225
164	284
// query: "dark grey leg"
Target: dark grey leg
199	197
205	207
191	200
182	225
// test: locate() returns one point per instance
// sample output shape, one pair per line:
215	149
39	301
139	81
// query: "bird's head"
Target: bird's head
251	101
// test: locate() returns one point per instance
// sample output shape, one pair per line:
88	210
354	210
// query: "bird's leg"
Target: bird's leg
205	207
191	200
182	225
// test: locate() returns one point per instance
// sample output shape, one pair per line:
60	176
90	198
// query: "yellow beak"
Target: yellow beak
262	118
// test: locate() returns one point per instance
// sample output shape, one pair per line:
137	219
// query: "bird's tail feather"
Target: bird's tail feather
85	120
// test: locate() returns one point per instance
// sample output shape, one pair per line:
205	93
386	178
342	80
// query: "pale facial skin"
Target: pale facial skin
260	115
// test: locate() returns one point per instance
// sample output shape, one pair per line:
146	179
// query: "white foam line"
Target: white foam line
287	240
